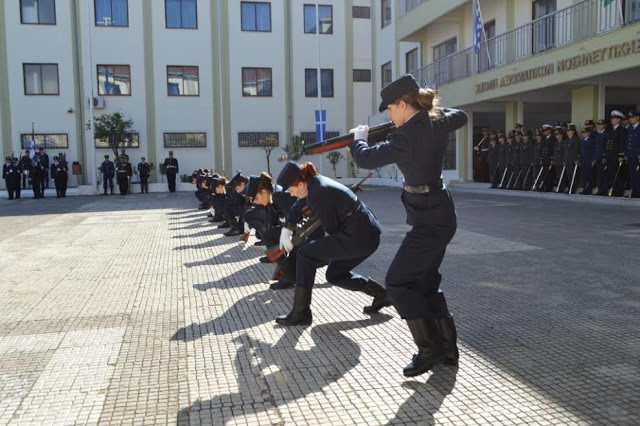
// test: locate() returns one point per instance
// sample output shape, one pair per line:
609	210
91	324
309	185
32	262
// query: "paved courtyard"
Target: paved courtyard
122	310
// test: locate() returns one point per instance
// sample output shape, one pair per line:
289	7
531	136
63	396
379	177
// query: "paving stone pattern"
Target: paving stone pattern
135	310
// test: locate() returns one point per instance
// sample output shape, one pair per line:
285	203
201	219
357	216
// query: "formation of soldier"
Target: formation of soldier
28	171
122	171
601	158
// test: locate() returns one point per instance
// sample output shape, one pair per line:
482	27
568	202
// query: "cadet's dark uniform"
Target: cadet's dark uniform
60	174
108	172
44	180
144	170
481	158
9	172
614	152
603	138
413	280
587	152
353	235
632	152
171	169
527	159
558	157
502	161
235	205
546	162
570	158
493	160
36	178
123	173
25	166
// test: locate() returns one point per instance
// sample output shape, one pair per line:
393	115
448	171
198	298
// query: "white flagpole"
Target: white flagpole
486	43
620	10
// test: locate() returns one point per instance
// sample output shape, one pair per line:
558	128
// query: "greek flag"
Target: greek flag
477	24
321	124
32	150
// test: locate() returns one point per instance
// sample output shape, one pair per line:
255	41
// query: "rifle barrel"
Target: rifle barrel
377	134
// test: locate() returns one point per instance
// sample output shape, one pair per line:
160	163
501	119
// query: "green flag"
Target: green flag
607	2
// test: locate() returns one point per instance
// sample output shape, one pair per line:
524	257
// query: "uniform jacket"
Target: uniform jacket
602	139
124	169
417	147
619	137
108	169
143	169
558	152
527	156
571	151
588	147
171	165
632	146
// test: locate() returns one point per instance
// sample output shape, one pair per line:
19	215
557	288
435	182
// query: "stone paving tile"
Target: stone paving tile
135	310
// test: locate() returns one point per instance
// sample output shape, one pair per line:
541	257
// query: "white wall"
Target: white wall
362	59
40	44
494	10
438	33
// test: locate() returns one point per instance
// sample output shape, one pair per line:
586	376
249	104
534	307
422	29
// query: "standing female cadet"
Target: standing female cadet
353	235
413	280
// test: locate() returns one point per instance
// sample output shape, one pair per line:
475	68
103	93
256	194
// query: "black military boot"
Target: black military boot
430	351
232	232
287	274
448	335
301	312
224	225
380	297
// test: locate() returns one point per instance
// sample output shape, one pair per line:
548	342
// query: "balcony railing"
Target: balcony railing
570	25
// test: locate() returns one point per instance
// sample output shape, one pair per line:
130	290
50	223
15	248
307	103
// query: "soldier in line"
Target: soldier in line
545	183
502	157
587	152
558	170
25	165
11	170
235	205
603	139
527	159
632	153
509	156
615	154
171	170
492	159
570	158
60	175
123	174
480	158
144	171
37	170
108	172
44	159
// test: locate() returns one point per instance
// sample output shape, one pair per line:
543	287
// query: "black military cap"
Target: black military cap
586	129
289	174
106	156
142	158
252	186
485	129
571	126
170	152
539	132
237	179
517	133
218	181
602	122
15	158
500	132
397	89
7	158
511	135
589	123
55	157
517	125
633	113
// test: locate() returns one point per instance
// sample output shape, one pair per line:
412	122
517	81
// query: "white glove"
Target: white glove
285	239
246	228
360	133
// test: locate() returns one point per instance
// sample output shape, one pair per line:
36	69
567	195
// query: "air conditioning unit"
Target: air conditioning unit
98	102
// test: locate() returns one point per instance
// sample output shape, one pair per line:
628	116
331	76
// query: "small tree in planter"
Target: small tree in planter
334	158
294	148
113	128
268	144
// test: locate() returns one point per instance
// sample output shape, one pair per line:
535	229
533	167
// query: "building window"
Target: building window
41	12
325	20
362	12
114	80
255	16
181	14
445	49
362	75
311	83
256	82
386	12
310	137
41	79
185	140
255	139
449	158
45	140
412	60
182	81
131	140
112	13
386	73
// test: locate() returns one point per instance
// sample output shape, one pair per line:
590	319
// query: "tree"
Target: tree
113	128
334	158
294	148
268	144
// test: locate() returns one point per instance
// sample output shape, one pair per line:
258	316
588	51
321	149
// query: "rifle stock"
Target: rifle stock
533	187
573	179
561	178
377	134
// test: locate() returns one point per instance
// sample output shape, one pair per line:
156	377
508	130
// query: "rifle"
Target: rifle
506	169
515	184
561	178
545	176
377	134
303	230
615	178
524	182
575	170
494	173
509	181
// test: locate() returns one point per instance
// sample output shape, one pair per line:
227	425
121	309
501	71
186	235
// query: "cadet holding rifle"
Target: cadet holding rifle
413	281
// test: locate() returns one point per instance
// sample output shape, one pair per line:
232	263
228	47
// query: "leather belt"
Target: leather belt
423	189
346	215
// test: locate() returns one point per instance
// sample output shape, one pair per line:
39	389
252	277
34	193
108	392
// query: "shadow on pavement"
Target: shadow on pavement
292	373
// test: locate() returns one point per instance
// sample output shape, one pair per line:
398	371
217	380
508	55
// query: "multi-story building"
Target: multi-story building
536	62
213	79
209	79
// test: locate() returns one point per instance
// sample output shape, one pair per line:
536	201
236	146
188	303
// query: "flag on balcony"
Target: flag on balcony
477	24
321	124
607	2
